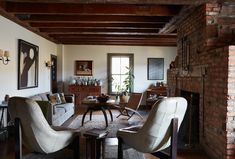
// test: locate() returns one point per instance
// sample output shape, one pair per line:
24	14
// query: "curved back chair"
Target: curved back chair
159	131
36	133
131	107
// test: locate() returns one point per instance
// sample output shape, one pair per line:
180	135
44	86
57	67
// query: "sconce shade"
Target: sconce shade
7	54
49	63
1	53
4	56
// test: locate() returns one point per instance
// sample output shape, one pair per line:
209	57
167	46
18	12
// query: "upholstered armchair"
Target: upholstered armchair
158	132
34	131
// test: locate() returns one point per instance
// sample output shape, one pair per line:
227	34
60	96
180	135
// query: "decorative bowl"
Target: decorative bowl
103	98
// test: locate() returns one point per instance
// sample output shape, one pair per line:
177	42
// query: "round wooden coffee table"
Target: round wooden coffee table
96	105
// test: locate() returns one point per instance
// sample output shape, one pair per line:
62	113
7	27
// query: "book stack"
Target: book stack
99	133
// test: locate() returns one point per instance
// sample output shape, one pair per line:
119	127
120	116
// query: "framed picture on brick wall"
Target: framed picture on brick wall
155	69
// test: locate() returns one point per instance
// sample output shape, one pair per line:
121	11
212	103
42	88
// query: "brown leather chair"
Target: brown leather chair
131	107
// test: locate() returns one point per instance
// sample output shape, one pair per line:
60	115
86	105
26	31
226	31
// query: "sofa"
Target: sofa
55	113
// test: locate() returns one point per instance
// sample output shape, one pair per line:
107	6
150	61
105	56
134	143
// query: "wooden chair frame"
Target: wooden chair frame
160	154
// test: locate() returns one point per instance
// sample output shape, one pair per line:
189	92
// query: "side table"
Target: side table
3	130
95	146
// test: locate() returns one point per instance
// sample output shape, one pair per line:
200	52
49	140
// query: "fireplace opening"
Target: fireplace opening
188	136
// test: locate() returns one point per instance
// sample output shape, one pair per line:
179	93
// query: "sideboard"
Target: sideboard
82	91
154	93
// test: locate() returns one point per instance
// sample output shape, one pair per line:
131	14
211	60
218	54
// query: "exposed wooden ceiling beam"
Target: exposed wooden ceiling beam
91	9
93	19
100	30
174	2
96	25
25	25
127	43
161	40
159	36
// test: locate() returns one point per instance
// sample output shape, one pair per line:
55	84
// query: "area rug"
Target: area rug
98	121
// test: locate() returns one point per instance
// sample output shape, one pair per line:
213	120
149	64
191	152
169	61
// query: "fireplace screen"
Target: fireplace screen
189	131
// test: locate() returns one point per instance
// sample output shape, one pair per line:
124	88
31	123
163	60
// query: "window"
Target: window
118	65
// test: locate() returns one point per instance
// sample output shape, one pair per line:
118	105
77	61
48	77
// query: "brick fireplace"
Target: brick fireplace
205	65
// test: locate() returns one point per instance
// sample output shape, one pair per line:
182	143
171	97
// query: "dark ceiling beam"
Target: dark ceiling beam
91	9
166	2
93	19
125	43
109	33
105	38
96	25
25	25
117	39
104	30
159	36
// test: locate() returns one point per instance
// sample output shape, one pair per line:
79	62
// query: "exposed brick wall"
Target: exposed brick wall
212	74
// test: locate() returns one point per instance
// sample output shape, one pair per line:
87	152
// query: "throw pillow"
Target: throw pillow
44	105
62	98
55	98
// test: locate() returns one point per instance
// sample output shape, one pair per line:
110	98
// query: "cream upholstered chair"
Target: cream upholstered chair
158	132
34	130
131	107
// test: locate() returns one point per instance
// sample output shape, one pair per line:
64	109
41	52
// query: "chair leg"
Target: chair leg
76	148
174	136
120	149
18	136
173	147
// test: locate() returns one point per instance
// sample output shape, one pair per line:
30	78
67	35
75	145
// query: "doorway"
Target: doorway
54	88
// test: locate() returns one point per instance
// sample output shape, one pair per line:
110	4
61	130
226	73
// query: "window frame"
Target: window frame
109	70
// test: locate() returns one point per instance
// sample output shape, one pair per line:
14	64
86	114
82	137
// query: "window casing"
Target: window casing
117	71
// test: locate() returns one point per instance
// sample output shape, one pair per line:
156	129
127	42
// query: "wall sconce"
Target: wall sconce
49	63
4	56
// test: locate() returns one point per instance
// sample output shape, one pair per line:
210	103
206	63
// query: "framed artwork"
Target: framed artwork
185	42
155	69
83	68
27	65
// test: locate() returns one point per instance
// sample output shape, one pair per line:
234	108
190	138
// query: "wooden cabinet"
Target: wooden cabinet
154	93
83	91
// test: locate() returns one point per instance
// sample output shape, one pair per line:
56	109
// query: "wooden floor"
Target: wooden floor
7	151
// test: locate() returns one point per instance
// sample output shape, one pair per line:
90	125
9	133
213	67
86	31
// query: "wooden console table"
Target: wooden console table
82	91
155	91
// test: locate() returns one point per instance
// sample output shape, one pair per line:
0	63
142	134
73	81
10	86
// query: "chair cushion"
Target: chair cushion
36	98
67	106
44	97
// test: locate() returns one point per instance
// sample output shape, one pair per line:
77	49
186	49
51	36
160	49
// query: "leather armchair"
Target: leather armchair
35	132
158	132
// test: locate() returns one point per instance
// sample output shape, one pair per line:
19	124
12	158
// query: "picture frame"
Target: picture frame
155	69
84	68
27	65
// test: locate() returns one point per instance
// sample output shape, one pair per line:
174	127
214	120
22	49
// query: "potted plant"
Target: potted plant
127	85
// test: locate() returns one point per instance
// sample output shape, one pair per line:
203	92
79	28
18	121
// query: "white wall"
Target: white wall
9	35
99	56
